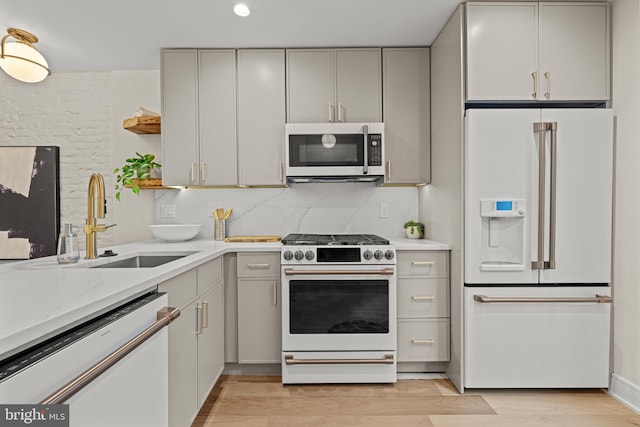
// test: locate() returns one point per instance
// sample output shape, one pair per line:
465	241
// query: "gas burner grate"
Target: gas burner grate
334	239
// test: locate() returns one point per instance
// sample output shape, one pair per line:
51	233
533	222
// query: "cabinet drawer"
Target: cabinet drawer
181	289
423	297
209	274
423	263
259	264
423	340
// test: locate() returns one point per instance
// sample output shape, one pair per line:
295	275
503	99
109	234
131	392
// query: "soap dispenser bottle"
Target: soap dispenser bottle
68	251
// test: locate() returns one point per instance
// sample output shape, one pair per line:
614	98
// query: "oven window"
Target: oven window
339	306
309	150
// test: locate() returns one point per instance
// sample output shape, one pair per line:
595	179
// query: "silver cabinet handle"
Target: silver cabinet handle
275	293
551	263
193	172
290	360
164	316
198	330
417	341
365	131
205	323
541	128
600	299
425	263
535	84
258	266
281	172
388	169
331	113
382	272
339	112
423	298
203	173
547	76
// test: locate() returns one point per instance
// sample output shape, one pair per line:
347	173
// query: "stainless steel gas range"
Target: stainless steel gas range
338	309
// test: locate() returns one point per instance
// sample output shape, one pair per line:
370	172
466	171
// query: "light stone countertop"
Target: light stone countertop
40	298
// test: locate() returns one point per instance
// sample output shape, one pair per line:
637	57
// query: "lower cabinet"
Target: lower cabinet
423	306
259	319
196	339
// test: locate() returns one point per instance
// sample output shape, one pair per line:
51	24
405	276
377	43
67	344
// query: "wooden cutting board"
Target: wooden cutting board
252	239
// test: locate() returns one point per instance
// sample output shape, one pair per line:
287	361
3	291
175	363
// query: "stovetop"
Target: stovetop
333	239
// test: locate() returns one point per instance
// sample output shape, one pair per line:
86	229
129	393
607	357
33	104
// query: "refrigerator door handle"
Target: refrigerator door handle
541	128
551	263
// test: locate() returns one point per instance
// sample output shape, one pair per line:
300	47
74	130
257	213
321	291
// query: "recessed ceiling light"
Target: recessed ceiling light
241	9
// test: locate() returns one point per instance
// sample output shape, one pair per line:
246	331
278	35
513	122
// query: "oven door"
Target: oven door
339	308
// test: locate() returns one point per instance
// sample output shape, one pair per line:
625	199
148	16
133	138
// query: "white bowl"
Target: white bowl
175	232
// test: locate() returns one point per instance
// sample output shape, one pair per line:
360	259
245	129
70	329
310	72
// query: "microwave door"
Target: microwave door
325	154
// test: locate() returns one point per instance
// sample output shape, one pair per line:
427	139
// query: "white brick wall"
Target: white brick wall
74	112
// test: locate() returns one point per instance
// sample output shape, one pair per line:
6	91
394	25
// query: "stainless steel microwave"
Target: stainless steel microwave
334	152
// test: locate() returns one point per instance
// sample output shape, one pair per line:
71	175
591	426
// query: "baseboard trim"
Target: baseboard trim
625	391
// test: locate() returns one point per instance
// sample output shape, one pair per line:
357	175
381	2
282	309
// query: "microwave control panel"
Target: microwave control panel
375	150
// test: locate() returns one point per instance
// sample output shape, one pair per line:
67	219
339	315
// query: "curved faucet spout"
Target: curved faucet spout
95	202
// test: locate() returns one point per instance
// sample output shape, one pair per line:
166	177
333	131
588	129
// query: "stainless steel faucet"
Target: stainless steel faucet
96	208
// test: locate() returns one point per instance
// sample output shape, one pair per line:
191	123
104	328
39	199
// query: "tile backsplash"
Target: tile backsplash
302	208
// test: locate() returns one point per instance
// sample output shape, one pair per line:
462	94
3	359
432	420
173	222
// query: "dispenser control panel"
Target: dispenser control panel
500	208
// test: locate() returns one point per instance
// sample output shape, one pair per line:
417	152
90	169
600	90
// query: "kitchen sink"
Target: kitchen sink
142	261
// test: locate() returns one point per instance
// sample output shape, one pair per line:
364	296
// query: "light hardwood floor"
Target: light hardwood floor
253	401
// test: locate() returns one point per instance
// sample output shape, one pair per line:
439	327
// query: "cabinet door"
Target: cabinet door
259	334
261	116
310	86
217	117
183	368
574	52
179	80
502	46
358	85
407	115
210	341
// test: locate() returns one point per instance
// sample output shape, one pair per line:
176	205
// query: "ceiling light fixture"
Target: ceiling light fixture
241	10
20	59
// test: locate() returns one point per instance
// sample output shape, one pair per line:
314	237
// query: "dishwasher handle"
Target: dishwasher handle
165	316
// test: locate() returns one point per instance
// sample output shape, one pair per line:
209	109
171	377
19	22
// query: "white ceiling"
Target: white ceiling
102	35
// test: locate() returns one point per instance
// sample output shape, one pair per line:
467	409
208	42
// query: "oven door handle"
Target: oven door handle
290	360
381	272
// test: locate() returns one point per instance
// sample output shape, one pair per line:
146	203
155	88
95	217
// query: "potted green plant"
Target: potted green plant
134	170
414	229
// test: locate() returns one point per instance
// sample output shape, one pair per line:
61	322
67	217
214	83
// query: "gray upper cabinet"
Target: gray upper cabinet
223	117
261	116
334	85
217	117
537	51
198	117
179	82
407	115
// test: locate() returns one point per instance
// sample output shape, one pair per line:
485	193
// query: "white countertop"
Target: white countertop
40	298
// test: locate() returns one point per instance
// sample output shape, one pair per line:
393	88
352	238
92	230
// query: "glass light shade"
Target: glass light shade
241	10
24	63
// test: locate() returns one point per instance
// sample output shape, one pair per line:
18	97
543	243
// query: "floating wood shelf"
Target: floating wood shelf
142	124
150	184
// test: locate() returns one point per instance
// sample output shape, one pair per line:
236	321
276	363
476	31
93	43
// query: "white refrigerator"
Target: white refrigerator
537	252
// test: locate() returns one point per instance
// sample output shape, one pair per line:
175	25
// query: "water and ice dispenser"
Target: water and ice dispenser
503	235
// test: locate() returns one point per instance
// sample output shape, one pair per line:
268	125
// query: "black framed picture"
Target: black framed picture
29	201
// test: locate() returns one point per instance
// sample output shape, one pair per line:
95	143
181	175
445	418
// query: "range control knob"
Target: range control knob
378	254
299	255
389	254
288	255
309	255
367	254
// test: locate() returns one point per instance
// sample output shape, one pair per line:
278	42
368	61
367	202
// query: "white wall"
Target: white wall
626	245
72	111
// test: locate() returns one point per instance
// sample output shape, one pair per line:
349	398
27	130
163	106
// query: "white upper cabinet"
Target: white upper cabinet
261	116
537	52
334	85
406	115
